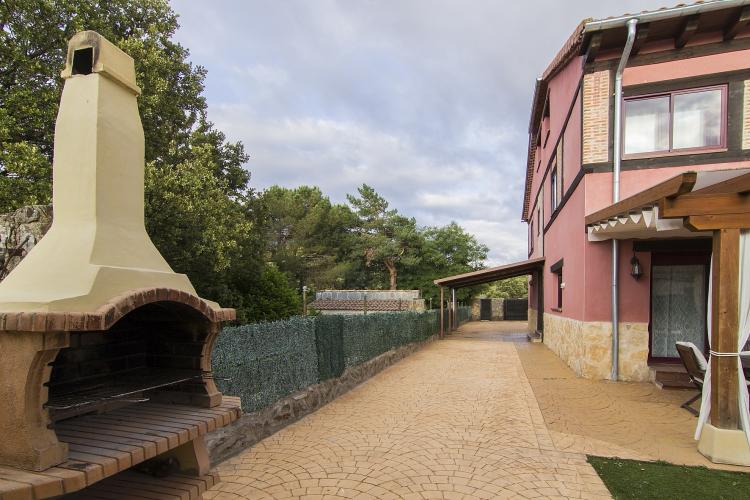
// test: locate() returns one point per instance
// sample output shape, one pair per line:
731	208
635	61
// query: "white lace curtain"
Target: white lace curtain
744	335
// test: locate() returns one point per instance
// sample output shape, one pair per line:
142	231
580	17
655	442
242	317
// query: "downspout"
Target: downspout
616	152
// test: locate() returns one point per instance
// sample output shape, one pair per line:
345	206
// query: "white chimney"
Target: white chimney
97	247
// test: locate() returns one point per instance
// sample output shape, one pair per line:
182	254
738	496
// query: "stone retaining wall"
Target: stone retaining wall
586	346
253	427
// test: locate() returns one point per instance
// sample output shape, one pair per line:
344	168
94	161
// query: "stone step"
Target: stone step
671	377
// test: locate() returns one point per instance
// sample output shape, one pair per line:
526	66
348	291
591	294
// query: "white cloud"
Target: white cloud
426	100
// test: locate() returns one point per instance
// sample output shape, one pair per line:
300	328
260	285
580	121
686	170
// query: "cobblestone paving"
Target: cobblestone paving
458	419
598	417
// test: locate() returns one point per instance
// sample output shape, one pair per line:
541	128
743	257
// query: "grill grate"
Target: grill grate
125	388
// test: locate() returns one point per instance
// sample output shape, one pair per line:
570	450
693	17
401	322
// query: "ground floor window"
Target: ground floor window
557	270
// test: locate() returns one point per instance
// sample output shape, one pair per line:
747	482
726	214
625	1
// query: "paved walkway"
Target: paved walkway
598	417
458	419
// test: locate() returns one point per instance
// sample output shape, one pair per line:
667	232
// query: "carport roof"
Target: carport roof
492	274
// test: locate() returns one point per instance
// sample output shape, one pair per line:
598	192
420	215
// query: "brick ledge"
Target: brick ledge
111	312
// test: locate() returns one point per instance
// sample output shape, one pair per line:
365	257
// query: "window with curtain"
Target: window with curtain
678	308
677	121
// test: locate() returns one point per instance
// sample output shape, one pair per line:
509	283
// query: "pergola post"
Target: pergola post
724	328
721	440
453	300
442	315
450	311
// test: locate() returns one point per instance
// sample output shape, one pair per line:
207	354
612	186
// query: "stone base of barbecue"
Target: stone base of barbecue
27	441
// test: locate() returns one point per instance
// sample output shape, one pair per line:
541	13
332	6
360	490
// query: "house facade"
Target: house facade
684	79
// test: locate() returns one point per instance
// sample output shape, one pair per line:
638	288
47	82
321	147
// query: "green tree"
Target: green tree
511	288
199	210
446	251
275	299
307	237
385	236
202	232
33	43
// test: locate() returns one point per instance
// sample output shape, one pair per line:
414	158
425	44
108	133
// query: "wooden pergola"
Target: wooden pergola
718	202
453	283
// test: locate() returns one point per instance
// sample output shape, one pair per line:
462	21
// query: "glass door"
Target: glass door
678	307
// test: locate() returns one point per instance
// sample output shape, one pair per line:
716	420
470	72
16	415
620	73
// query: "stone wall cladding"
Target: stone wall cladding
587	347
532	319
746	116
476	309
498	305
19	232
251	428
596	102
497	314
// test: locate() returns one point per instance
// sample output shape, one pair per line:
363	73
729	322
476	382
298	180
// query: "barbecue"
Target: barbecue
105	376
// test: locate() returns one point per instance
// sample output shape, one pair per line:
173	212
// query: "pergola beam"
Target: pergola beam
704	204
675	186
714	222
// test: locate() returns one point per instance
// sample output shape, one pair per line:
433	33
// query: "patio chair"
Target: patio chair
696	365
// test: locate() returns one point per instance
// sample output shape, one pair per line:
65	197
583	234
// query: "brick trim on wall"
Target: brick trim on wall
596	101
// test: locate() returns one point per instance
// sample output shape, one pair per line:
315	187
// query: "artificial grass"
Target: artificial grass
628	479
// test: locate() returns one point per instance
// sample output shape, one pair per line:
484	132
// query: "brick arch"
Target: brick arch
111	312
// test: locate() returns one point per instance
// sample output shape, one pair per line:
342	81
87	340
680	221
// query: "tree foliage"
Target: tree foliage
200	211
323	245
511	288
446	251
307	237
250	251
386	237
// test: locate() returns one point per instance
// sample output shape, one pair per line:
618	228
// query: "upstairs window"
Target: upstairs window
531	236
674	122
559	157
553	190
538	220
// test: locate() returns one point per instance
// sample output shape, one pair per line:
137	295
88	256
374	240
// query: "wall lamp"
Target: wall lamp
636	271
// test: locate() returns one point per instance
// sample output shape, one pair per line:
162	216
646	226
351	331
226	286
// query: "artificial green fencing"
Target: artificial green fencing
263	362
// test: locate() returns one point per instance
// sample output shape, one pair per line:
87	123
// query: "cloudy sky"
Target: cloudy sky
426	100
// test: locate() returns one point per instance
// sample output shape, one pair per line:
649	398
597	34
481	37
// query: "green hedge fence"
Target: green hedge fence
263	362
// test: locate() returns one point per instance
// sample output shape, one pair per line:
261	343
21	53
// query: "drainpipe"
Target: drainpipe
616	195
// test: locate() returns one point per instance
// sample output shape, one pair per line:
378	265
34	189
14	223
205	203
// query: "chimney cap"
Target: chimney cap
89	52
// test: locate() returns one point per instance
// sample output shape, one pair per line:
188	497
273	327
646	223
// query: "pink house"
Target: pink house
682	105
637	200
